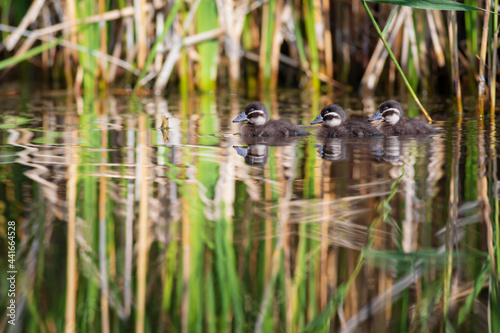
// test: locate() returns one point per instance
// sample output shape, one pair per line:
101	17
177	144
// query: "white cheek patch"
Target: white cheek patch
259	121
332	122
391	118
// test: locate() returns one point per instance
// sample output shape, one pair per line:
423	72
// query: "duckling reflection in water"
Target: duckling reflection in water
254	154
335	124
256	115
332	149
257	150
393	122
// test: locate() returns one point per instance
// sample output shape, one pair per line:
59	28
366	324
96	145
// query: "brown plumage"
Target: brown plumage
336	126
394	124
256	115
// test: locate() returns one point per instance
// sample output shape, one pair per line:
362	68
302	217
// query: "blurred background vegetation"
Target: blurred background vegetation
250	44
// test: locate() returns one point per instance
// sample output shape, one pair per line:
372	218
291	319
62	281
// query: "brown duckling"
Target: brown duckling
393	122
336	126
257	116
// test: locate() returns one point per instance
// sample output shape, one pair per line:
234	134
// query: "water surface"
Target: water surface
123	226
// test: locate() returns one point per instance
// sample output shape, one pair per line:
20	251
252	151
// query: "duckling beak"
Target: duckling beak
376	116
319	119
242	151
241	117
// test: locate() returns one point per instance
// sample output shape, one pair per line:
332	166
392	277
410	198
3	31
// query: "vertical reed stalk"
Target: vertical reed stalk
311	38
103	266
71	269
71	16
141	31
276	44
395	61
267	29
129	224
207	19
143	228
455	71
328	39
494	60
104	44
471	31
482	61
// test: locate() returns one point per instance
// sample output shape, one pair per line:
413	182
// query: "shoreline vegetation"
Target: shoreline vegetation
196	45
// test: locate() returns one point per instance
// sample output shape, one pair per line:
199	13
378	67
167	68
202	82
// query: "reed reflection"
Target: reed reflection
170	235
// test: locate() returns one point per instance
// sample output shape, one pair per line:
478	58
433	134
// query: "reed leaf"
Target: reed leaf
31	53
478	286
431	4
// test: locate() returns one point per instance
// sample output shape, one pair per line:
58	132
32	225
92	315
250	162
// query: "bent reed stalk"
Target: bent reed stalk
298	43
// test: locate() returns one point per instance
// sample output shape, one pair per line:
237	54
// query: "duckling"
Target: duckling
257	116
394	124
335	126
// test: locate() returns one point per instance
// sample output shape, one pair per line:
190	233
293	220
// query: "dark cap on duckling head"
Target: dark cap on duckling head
255	113
389	111
331	115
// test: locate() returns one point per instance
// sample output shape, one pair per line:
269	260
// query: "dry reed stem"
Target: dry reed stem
140	30
174	54
71	269
143	227
111	59
108	16
276	45
380	54
72	31
494	59
263	43
30	16
482	61
328	40
438	50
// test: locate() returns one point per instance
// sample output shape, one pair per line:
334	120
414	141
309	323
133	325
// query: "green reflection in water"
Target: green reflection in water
293	244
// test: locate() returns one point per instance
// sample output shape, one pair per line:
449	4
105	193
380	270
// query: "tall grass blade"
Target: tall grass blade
431	4
32	52
389	20
207	19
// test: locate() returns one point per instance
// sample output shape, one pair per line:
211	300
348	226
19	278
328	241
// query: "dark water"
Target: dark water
121	226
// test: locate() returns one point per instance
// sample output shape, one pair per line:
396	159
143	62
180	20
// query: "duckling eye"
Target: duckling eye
251	109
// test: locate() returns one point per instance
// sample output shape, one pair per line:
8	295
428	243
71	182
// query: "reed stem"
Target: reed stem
481	89
365	5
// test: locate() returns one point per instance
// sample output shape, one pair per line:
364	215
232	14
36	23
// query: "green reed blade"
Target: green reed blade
31	53
207	19
480	280
4	18
389	20
311	39
431	4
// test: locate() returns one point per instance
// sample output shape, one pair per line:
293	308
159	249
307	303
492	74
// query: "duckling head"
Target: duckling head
389	111
255	113
331	115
